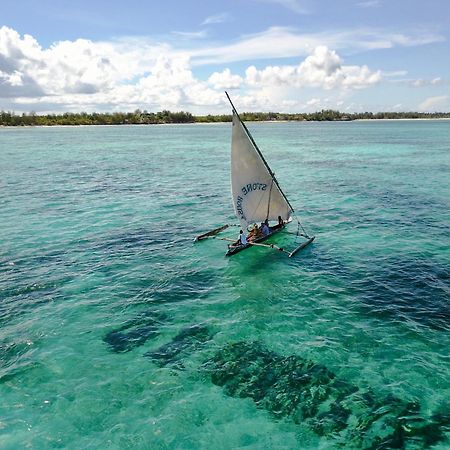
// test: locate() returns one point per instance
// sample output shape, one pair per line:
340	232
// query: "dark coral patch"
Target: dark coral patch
188	339
308	393
135	332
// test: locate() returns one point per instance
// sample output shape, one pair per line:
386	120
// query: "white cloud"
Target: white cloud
284	42
83	74
217	18
225	80
420	82
276	42
190	34
293	5
323	69
80	66
12	79
171	82
433	104
313	102
437	81
135	73
370	4
394	73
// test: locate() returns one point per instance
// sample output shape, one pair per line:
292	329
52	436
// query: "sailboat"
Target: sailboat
256	195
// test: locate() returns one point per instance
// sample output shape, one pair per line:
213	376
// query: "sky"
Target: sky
270	55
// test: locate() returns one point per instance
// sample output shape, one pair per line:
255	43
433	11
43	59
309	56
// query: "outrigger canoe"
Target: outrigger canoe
256	194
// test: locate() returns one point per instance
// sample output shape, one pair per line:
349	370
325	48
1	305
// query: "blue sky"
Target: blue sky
283	55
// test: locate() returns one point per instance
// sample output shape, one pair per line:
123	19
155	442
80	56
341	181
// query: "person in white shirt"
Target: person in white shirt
242	238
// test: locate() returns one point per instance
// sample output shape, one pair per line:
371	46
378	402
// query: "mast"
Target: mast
259	152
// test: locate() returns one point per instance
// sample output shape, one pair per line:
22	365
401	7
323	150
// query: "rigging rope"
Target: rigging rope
299	225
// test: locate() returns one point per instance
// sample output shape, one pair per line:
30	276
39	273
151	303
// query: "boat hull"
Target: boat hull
233	249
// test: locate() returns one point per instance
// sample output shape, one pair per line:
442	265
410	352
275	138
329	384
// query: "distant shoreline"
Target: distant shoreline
405	119
10	119
442	119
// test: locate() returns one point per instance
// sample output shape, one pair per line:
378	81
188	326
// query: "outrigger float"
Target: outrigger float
257	195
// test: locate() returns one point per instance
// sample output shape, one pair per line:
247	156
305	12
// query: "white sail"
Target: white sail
256	195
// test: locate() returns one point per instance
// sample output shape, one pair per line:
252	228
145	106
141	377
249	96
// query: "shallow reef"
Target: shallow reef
305	392
188	339
135	332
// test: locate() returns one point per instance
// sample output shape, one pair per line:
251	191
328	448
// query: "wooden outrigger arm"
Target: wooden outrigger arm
211	233
269	246
290	254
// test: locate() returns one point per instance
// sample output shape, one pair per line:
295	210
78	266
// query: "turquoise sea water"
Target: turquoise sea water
117	331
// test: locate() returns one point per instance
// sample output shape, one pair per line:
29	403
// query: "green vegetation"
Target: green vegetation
117	118
145	118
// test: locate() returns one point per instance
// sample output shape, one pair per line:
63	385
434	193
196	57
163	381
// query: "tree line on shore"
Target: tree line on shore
163	117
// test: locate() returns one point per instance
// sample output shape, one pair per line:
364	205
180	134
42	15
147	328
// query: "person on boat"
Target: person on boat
265	228
261	227
253	234
242	238
279	225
